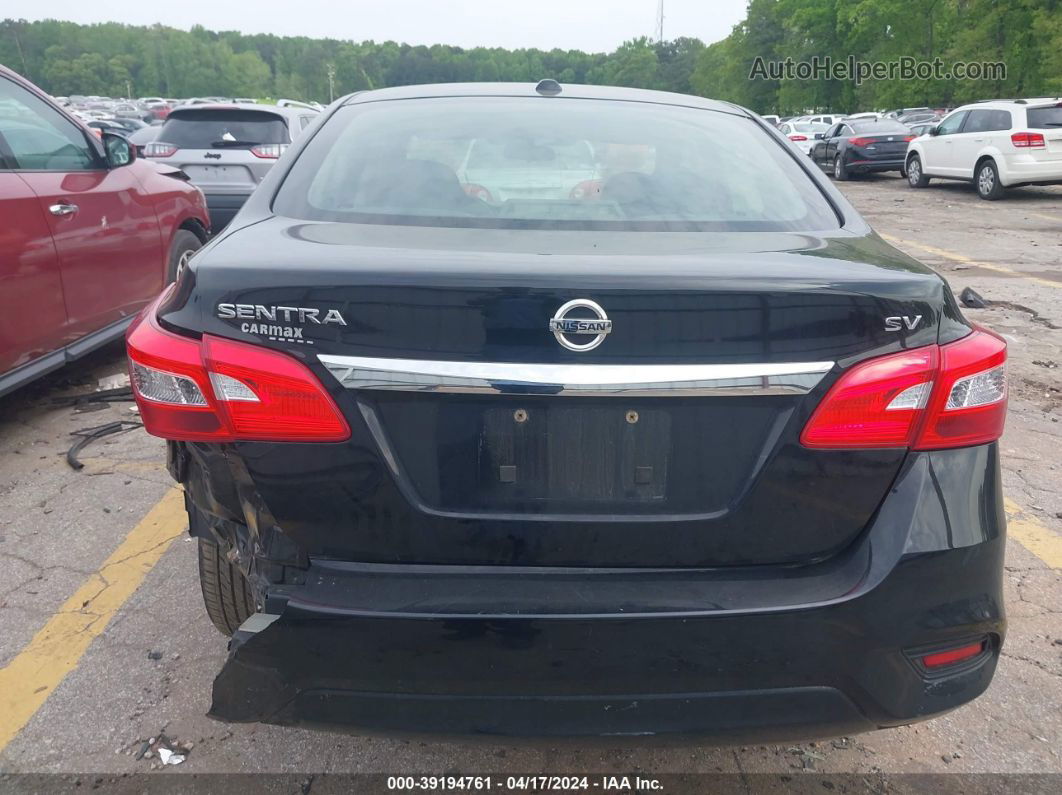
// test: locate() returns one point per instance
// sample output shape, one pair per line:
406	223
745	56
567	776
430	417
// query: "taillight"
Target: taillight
1028	140
910	138
969	405
798	137
587	189
268	151
929	398
477	192
860	141
218	390
159	149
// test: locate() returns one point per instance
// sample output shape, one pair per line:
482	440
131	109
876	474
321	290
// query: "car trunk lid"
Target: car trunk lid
479	439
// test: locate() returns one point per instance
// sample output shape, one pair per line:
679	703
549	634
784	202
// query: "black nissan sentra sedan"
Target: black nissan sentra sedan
566	410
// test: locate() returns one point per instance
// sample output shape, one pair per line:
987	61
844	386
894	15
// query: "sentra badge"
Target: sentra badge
280	323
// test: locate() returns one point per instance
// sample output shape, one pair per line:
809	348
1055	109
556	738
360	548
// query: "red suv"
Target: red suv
88	233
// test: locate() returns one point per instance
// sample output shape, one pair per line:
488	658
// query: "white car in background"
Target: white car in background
803	133
995	145
828	119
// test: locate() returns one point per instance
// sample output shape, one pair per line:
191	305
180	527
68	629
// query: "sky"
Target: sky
591	25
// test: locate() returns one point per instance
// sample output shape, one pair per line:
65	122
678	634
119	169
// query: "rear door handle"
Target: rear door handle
63	209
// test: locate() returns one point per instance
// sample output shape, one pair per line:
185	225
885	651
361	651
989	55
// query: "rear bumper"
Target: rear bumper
735	655
863	165
1023	168
223	208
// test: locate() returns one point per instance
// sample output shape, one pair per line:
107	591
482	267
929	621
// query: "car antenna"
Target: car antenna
548	87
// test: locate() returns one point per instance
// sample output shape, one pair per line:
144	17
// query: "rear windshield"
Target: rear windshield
884	127
223	129
1044	117
527	163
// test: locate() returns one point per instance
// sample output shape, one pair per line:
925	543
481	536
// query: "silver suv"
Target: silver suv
226	149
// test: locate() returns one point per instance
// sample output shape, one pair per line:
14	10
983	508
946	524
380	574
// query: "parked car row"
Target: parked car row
993	144
227	148
224	145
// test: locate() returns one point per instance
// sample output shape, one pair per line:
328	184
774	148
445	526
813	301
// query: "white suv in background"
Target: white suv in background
997	144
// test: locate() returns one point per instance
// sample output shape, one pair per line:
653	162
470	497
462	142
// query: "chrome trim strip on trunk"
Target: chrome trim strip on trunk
515	378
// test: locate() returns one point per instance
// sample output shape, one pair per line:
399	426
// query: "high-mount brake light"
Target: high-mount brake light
218	390
930	398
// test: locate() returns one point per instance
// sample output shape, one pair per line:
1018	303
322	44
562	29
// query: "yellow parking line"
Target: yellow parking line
28	680
945	254
1032	535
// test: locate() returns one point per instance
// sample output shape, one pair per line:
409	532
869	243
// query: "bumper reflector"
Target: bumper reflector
952	656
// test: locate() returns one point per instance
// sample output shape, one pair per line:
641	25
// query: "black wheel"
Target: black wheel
915	177
840	172
184	245
987	181
226	592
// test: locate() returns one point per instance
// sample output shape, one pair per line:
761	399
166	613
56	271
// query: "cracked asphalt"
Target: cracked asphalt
150	669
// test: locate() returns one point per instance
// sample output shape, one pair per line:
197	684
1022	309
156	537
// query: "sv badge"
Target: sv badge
899	322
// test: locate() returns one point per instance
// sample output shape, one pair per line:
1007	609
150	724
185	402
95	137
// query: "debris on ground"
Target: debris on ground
842	743
89	435
115	381
974	300
1048	363
165	750
116	395
170	757
807	758
154	655
971	298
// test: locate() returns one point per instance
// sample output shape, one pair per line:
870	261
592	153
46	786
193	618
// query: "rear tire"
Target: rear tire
986	180
184	245
916	178
226	592
840	172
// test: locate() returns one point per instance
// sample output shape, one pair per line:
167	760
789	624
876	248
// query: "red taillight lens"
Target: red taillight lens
875	404
218	390
952	656
159	149
969	405
798	137
928	398
910	138
270	396
587	189
268	151
477	192
1028	140
860	141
